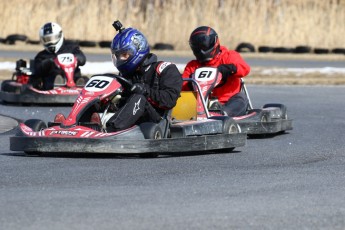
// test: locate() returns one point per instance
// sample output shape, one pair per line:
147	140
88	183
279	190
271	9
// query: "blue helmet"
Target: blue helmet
129	48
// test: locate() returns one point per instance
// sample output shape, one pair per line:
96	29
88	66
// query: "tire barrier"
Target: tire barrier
163	46
245	47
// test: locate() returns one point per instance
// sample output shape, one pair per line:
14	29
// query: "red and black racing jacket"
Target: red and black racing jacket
231	85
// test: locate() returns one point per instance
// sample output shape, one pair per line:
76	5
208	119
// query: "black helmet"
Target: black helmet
205	43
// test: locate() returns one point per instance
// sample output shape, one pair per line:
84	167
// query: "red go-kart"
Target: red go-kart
21	90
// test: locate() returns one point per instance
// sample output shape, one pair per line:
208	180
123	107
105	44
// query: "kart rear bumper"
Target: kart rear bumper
271	127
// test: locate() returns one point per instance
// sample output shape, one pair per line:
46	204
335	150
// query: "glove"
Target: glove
227	70
140	88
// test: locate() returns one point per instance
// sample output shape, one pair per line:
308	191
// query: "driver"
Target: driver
45	70
156	85
206	48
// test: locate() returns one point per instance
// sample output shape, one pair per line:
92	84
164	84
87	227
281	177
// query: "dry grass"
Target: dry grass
317	23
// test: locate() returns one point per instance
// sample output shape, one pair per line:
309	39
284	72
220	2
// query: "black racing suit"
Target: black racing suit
45	69
163	82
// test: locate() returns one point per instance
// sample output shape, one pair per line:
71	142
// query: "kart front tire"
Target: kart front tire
230	126
151	131
36	125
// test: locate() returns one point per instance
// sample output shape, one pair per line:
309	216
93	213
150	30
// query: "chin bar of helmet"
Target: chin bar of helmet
118	26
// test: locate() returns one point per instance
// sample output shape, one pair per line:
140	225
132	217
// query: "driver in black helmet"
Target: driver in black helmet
205	45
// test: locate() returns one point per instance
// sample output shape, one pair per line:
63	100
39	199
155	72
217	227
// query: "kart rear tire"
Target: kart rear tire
7	87
151	131
282	108
35	125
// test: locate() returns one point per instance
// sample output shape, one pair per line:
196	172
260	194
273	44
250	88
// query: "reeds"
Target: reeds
317	23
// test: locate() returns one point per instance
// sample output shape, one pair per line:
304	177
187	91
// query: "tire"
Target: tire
338	51
104	44
36	125
282	50
321	51
282	108
302	49
87	43
163	46
264	49
151	131
245	47
230	126
12	38
33	42
6	86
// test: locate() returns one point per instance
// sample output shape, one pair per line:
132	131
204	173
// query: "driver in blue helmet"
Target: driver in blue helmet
156	85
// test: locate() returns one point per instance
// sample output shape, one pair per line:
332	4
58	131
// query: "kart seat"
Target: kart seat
186	107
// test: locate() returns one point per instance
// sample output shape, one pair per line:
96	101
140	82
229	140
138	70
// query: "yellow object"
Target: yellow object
185	108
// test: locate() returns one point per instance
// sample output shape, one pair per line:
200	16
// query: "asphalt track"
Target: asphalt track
291	181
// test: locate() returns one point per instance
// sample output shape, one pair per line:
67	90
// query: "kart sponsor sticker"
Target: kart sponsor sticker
64	132
162	66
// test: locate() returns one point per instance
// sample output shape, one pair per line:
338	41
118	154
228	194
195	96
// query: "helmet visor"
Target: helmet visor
203	45
121	56
51	38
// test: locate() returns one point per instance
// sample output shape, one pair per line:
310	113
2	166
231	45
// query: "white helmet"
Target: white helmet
51	37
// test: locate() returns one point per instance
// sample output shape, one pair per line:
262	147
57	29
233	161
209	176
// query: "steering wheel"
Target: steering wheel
124	82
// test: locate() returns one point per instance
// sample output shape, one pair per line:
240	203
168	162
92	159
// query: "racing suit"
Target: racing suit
161	83
232	101
45	69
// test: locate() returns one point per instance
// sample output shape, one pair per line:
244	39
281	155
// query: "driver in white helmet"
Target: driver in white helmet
45	70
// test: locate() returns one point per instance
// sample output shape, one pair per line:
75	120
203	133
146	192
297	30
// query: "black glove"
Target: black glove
227	70
140	88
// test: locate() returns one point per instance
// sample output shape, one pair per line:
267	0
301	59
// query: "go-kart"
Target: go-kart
79	133
271	119
22	88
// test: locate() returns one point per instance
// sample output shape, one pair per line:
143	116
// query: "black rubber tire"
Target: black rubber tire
321	51
302	49
229	126
6	86
264	49
282	50
282	108
35	124
163	46
338	51
12	38
87	43
245	47
2	40
33	42
104	44
151	130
